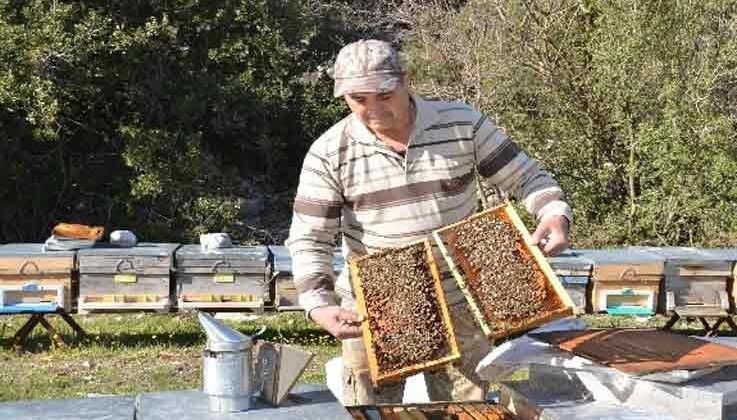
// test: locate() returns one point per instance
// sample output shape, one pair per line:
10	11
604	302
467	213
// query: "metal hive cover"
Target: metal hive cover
641	351
570	260
238	252
644	263
685	255
143	249
30	250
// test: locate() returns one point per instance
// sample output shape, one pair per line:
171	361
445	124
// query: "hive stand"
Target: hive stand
704	314
37	317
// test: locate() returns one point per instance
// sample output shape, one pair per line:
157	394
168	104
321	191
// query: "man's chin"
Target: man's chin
375	125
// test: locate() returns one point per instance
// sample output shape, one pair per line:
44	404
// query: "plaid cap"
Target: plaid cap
369	66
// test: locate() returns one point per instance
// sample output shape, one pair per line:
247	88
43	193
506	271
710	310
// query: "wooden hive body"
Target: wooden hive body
626	280
238	277
557	303
381	375
695	277
119	279
30	264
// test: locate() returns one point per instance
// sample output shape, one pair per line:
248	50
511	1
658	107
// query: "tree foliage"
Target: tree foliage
154	115
629	103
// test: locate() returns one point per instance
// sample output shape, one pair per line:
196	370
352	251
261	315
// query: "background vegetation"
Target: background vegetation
172	118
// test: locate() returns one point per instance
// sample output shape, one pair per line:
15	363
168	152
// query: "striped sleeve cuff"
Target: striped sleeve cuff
316	299
555	208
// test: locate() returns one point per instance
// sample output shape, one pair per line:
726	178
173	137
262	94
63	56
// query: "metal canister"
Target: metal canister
226	367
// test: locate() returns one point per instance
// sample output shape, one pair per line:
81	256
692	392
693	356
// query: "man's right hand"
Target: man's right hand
339	322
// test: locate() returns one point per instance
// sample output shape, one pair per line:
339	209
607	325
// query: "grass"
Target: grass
129	354
133	353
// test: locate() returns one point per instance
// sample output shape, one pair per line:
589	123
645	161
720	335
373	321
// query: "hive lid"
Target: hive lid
624	263
30	250
221	337
726	254
236	253
571	260
685	255
143	249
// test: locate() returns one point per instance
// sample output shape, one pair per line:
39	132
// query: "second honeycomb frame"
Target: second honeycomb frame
508	214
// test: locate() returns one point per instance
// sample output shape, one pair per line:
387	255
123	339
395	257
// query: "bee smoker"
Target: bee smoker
226	366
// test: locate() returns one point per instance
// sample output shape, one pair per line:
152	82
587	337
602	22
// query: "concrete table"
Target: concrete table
98	408
313	402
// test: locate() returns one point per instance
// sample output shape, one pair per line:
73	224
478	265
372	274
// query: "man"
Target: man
397	168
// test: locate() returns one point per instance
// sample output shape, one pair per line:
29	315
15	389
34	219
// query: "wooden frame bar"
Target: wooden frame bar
381	378
507	213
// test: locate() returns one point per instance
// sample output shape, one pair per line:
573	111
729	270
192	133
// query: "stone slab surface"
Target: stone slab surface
99	408
314	402
531	403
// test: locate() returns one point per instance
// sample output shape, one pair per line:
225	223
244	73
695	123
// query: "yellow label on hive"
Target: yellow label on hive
125	278
224	278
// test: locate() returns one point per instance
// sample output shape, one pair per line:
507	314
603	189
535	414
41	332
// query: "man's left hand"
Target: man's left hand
551	235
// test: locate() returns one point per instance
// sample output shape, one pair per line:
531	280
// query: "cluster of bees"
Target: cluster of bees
403	308
506	286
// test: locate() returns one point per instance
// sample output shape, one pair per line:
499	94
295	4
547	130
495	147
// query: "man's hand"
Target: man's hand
339	322
551	235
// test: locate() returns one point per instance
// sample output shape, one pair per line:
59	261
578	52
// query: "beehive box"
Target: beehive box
408	327
286	296
121	279
730	256
574	272
461	410
29	264
626	281
508	283
238	277
694	277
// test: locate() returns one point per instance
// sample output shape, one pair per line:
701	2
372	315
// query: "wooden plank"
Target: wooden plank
699	311
105	284
35	265
117	303
258	304
188	284
365	329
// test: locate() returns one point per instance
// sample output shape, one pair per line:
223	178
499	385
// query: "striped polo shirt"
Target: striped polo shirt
354	184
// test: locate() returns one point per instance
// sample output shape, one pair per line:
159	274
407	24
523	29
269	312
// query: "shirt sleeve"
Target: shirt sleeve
315	224
505	165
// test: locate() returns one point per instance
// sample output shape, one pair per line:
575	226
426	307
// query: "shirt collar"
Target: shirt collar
426	117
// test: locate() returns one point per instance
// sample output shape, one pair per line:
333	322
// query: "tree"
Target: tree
624	101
